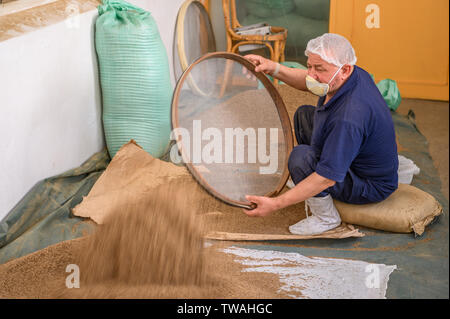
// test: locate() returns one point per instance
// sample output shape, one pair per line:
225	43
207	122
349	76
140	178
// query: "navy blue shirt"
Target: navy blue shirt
354	131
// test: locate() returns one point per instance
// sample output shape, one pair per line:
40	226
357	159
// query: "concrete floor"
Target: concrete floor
432	119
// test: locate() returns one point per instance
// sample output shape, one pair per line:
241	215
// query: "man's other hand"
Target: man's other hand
265	206
261	64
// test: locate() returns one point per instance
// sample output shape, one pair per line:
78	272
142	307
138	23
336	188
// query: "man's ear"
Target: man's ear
346	71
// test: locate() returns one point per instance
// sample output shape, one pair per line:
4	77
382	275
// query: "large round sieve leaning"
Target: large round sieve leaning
231	128
193	36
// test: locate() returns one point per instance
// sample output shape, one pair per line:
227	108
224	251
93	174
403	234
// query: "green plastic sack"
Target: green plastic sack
390	92
134	77
294	65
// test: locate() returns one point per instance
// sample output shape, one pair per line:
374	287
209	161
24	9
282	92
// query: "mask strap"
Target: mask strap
335	73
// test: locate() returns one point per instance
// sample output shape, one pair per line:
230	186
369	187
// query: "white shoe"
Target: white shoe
324	217
406	170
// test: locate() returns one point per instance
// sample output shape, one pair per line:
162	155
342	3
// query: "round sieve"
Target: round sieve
231	129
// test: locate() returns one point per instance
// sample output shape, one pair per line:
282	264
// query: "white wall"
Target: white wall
50	107
49	104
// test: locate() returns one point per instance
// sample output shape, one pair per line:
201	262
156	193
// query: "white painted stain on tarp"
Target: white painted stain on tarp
317	277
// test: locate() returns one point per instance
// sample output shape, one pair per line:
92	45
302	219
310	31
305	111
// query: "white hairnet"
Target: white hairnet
333	48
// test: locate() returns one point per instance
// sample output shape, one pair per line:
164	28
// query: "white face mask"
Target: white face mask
317	88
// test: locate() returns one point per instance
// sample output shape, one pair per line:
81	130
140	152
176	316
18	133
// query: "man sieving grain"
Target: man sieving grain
346	144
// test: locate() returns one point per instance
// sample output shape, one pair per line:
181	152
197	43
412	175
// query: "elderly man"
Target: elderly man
346	144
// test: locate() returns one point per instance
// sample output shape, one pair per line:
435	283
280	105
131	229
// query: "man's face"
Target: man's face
323	71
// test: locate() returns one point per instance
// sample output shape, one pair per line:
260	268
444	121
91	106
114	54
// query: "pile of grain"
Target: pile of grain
154	240
152	248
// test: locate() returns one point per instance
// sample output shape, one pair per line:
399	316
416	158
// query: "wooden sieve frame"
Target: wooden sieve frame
282	113
179	39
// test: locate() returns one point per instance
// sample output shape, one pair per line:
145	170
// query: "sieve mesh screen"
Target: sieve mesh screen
233	130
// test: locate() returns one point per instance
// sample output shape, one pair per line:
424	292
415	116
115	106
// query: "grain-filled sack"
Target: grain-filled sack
408	209
134	77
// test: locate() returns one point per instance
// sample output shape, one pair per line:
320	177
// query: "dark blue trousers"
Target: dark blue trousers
303	161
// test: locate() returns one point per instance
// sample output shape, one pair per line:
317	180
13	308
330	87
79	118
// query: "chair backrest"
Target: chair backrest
229	14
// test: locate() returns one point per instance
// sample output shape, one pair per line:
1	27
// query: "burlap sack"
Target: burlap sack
131	174
408	209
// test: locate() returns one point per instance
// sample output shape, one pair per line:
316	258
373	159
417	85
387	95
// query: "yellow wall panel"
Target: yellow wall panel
410	45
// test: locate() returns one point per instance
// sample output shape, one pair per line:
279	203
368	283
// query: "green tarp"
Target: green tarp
43	217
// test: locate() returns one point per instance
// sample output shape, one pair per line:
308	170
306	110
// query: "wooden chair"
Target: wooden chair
276	41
